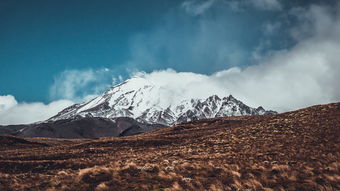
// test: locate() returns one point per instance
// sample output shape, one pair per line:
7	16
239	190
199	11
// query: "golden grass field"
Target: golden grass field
298	150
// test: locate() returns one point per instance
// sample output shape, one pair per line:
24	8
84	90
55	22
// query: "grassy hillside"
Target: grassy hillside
298	150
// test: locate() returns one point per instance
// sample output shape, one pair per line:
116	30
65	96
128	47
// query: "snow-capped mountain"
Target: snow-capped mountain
146	102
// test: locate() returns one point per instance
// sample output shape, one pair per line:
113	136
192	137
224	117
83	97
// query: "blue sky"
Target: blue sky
40	39
72	50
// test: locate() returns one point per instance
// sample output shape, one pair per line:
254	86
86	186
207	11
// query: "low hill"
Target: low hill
88	127
297	150
11	142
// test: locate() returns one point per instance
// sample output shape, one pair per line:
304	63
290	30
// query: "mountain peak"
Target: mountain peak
137	80
231	98
214	97
142	100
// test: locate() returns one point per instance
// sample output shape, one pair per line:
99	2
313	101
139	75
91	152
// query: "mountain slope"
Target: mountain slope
150	103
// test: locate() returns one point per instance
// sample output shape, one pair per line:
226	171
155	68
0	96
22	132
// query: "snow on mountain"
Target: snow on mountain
142	100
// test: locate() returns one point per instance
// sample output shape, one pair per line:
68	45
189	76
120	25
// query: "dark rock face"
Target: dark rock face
88	127
11	129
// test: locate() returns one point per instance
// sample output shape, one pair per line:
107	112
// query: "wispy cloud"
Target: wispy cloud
197	7
271	28
203	45
266	4
80	85
263	5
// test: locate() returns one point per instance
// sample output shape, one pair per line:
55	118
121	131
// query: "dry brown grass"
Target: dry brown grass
292	151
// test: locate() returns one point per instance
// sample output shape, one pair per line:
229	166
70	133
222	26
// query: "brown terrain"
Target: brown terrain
298	150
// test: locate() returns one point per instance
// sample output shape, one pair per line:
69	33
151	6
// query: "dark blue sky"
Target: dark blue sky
41	39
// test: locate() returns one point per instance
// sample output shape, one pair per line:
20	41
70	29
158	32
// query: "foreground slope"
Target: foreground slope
297	150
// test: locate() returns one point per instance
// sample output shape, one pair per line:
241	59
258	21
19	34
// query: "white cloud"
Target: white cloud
12	112
80	85
7	102
196	7
179	86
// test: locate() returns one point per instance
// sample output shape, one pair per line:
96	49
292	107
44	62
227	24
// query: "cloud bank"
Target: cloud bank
306	74
12	112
